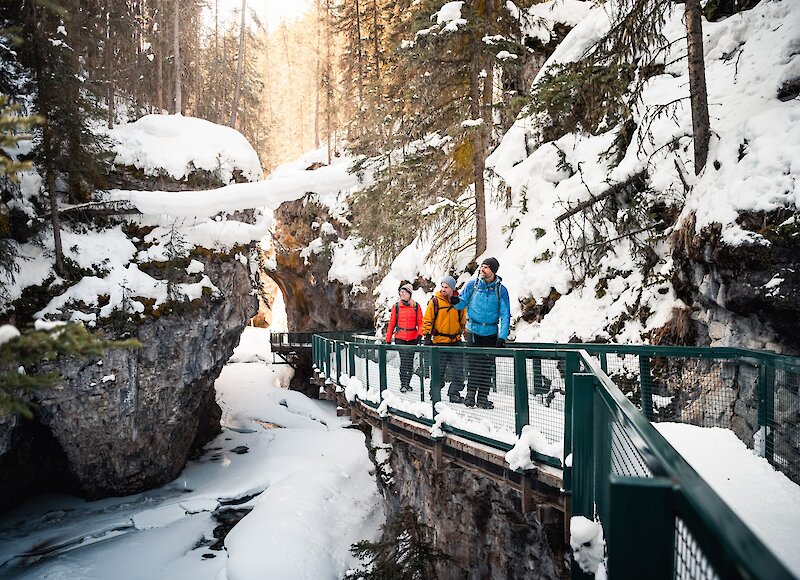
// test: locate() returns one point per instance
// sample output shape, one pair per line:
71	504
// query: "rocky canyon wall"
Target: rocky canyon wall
128	421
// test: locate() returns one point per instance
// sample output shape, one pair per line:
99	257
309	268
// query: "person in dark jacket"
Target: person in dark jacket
488	318
405	324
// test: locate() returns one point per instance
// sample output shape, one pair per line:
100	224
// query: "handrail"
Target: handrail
684	500
731	546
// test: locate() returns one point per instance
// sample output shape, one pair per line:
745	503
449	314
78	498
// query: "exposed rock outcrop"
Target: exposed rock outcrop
476	522
129	420
746	295
313	303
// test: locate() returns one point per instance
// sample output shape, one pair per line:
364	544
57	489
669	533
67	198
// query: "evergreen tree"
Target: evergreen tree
405	551
594	94
65	94
443	79
20	354
13	129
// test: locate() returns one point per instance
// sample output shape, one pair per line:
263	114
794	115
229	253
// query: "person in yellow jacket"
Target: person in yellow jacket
443	325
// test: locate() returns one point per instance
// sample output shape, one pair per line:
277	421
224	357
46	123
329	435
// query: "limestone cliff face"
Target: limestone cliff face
476	522
314	303
744	295
129	420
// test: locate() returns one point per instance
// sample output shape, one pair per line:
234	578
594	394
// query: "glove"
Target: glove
454	300
427	340
501	342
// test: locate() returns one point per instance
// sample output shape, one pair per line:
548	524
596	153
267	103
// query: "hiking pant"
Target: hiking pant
481	367
451	365
406	361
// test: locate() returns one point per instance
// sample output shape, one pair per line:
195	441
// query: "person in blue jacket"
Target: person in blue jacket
488	318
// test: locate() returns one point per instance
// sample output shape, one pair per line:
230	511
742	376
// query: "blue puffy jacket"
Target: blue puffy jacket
484	313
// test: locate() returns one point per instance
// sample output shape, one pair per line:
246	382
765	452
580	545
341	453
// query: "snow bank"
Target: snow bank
177	145
309	484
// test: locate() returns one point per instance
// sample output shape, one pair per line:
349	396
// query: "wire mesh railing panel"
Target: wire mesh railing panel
407	381
615	453
626	458
489	391
547	396
476	390
697	391
782	435
623	370
367	372
690	562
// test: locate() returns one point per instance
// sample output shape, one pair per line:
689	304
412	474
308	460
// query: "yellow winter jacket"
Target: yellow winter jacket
448	326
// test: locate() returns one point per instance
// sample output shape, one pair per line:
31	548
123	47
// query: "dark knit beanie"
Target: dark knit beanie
407	287
493	264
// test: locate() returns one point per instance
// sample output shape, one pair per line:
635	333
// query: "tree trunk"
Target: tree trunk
239	65
701	125
317	80
109	71
377	53
478	161
328	81
177	49
360	68
216	104
72	86
159	58
56	223
481	107
47	148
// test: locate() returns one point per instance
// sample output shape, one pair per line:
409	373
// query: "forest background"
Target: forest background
369	76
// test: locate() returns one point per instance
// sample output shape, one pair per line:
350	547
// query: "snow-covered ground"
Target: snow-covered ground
312	493
765	499
306	477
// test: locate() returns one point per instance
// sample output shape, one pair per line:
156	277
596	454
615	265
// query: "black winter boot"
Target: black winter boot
470	400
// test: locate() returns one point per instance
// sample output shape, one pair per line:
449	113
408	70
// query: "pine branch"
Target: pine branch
633	181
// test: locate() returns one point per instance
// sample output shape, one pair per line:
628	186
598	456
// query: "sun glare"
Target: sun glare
270	12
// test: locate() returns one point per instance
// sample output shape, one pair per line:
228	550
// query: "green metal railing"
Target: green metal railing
304	339
599	403
753	393
660	519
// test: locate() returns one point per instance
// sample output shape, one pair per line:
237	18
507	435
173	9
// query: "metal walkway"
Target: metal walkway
588	410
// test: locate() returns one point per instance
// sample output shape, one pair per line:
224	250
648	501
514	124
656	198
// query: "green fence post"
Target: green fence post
766	406
640	536
604	362
338	345
351	359
328	359
436	377
521	410
424	367
571	366
367	356
382	367
646	386
582	476
583	445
